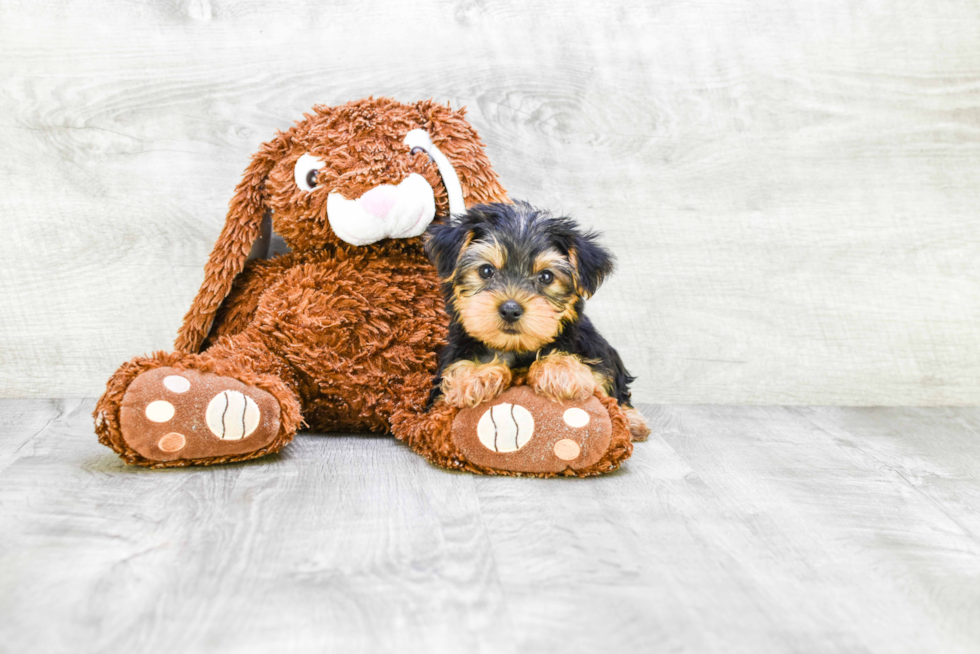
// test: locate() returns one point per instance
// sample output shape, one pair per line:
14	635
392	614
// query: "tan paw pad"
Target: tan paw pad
505	427
172	442
176	383
204	415
232	415
522	431
567	450
576	418
159	411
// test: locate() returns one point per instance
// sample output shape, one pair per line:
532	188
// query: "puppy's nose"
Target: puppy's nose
511	311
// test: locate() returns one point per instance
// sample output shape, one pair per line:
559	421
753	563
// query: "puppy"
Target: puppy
516	280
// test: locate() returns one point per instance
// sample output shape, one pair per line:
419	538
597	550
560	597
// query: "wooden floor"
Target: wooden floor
734	529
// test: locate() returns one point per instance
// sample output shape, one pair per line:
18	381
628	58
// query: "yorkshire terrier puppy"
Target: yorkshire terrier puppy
516	280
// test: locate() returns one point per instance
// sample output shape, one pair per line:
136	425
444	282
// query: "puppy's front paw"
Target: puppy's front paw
466	384
560	377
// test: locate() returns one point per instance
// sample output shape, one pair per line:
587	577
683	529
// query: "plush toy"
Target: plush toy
337	327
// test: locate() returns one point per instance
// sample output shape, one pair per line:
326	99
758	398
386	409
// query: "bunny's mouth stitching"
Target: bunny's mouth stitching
386	211
402	211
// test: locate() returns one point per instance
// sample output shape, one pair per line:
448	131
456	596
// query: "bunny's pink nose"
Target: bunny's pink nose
379	200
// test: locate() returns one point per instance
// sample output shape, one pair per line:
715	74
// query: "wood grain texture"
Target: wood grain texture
790	186
733	529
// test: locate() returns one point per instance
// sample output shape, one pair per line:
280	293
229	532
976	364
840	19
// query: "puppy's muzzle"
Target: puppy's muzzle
511	311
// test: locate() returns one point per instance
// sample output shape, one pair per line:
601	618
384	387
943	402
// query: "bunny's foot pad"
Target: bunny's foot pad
523	432
168	415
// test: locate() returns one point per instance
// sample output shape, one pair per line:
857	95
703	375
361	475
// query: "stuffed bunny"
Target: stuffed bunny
320	308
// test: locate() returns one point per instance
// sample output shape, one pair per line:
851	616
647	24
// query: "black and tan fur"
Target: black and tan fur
515	280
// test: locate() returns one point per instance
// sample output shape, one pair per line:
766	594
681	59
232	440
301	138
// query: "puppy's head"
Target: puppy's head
515	276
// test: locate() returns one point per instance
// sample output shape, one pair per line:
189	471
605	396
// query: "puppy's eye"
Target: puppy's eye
545	277
305	172
487	271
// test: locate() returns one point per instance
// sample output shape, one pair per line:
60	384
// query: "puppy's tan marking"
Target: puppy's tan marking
466	277
573	259
639	428
550	260
569	315
492	253
466	384
560	376
481	318
603	383
562	290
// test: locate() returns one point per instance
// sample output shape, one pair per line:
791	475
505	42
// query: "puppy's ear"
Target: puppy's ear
444	242
592	262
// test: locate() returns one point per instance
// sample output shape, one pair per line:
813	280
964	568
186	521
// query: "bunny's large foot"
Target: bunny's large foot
170	415
522	432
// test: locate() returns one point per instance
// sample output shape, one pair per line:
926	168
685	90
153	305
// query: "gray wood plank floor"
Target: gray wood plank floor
734	529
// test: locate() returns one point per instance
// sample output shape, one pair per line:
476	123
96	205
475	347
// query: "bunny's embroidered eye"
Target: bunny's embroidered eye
305	172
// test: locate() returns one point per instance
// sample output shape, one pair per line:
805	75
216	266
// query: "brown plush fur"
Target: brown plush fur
344	337
361	145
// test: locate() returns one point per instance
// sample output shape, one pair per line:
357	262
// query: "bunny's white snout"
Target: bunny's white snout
385	211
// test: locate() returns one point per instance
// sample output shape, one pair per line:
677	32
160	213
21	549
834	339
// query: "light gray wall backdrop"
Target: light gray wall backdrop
791	186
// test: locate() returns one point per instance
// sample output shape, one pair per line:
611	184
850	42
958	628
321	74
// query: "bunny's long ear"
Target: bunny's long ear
242	227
